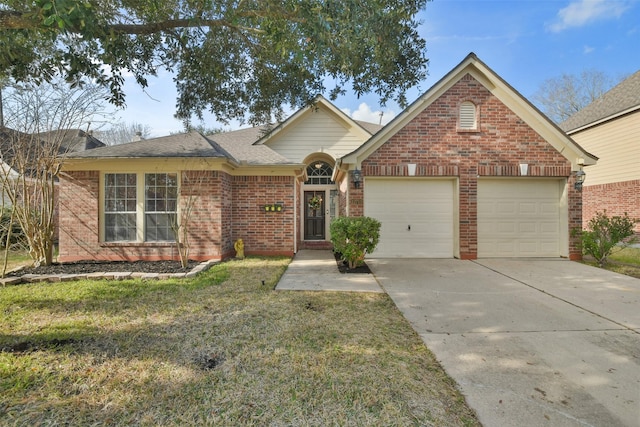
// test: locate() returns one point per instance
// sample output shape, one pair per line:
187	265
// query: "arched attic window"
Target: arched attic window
468	119
319	173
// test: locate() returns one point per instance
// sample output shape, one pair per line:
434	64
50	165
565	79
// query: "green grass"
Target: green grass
15	259
627	256
221	349
625	261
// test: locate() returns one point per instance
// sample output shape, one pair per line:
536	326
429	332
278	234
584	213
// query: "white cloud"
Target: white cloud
587	49
583	12
365	114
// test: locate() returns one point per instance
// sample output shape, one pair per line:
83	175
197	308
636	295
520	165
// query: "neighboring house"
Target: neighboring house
609	127
471	169
20	150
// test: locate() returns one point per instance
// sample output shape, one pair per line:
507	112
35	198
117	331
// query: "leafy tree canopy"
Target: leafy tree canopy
236	58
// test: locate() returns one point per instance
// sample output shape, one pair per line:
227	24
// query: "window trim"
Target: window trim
318	175
140	208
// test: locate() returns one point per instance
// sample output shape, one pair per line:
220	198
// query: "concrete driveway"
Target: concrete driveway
530	342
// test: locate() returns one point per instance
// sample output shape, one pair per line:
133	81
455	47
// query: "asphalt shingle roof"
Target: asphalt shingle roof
240	144
71	140
622	97
191	144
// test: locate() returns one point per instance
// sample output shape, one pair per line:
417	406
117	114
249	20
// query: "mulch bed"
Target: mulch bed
343	266
85	267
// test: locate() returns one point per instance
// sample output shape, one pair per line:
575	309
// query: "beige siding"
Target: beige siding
319	131
617	144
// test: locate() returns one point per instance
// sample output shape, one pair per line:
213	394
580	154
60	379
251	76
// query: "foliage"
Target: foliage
354	237
234	58
561	97
10	231
606	235
43	124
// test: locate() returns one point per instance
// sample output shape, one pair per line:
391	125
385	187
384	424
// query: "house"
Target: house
609	127
470	169
24	164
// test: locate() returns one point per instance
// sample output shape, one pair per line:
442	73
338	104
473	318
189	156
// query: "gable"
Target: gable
317	129
434	137
480	79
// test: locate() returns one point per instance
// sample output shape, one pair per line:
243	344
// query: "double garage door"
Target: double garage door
516	218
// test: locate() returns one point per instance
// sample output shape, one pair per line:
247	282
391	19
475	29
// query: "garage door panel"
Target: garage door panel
416	217
518	218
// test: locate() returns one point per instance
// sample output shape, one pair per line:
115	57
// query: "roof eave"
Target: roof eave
499	88
604	120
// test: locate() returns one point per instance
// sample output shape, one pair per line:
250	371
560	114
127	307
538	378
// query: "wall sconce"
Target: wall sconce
580	177
411	169
356	178
524	169
276	207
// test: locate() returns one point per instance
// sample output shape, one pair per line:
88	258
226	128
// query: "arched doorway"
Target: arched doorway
319	201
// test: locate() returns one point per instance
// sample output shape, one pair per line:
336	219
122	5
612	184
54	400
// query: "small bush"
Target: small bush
604	234
354	237
17	239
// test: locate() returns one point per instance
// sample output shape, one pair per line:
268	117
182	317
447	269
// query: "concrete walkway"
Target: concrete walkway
316	270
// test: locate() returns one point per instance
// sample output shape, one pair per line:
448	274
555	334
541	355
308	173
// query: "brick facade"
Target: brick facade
502	141
225	208
263	233
616	198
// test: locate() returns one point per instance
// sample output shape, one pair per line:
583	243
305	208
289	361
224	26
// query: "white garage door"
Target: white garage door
416	216
519	218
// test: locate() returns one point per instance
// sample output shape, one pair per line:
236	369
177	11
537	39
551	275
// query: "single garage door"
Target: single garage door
416	216
519	218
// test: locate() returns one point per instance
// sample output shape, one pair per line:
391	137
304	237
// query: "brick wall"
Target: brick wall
205	190
263	233
616	198
502	141
79	222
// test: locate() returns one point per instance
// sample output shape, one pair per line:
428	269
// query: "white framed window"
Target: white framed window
160	206
140	207
468	119
319	173
120	200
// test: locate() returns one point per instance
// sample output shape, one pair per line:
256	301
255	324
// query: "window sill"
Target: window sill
136	244
468	130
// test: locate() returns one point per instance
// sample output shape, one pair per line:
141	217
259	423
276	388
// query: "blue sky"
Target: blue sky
525	41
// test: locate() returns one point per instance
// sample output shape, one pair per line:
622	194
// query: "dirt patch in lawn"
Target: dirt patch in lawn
85	267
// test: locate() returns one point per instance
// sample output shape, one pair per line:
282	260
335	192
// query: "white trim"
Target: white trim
603	120
500	89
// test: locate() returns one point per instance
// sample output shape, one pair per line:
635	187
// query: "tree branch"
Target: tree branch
12	20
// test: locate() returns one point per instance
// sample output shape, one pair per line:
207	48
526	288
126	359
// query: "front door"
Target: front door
314	215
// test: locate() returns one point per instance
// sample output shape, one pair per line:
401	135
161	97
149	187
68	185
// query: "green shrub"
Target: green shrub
604	234
354	237
17	239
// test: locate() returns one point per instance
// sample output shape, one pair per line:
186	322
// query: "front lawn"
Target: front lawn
625	261
221	349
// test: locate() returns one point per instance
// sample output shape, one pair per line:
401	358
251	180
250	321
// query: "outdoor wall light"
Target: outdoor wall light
580	177
356	178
